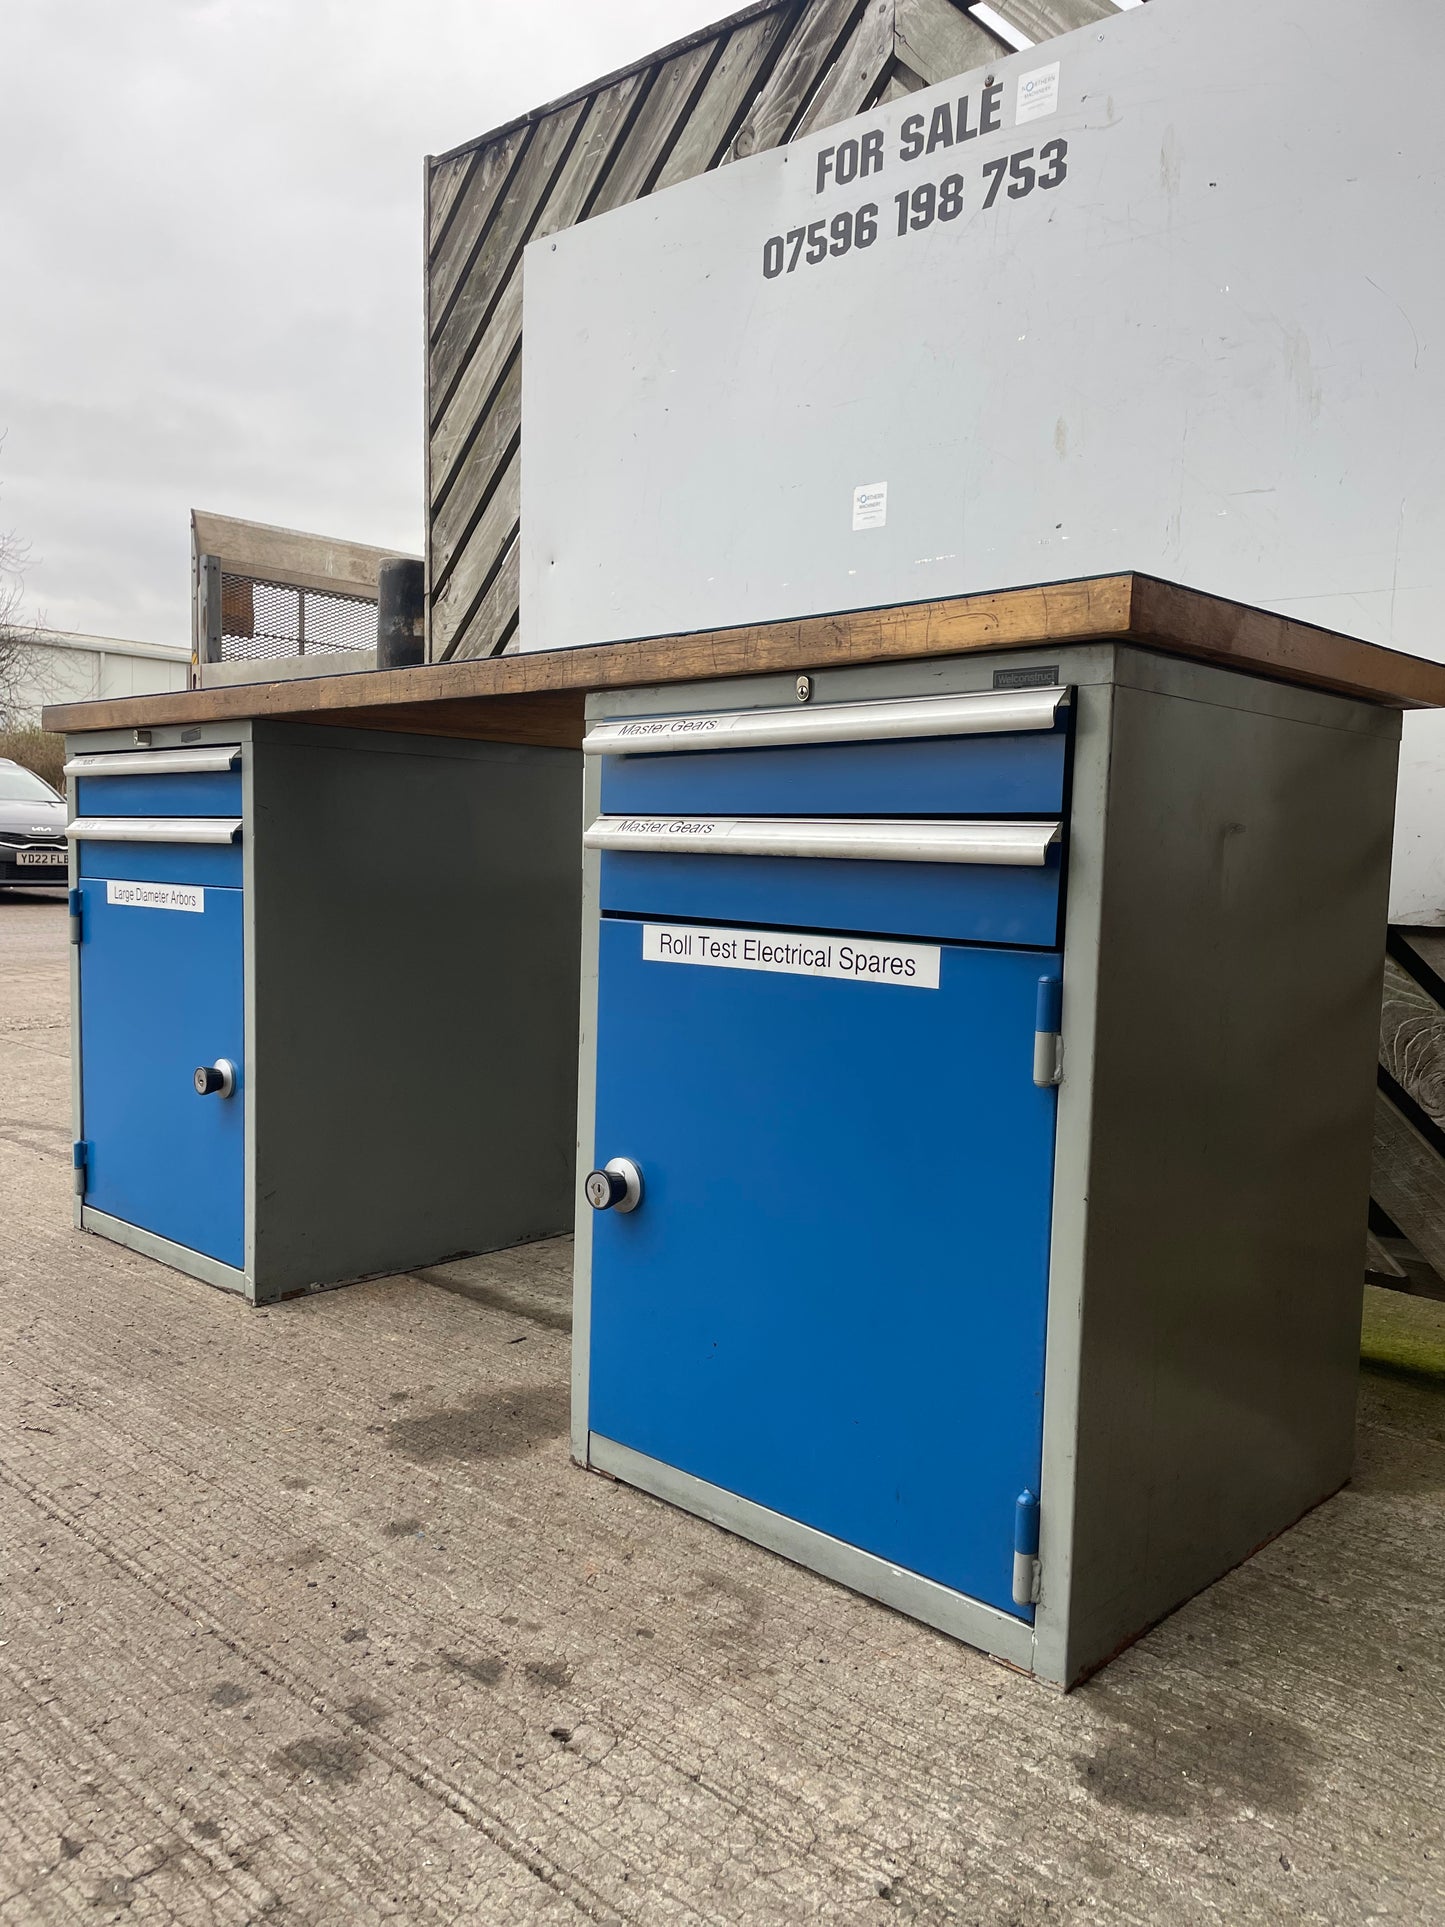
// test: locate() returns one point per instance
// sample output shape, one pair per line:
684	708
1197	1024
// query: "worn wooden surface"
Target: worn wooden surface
309	1619
859	67
1043	19
1412	1040
756	80
267	554
1407	1180
1235	633
1426	958
936	41
1378	1262
480	698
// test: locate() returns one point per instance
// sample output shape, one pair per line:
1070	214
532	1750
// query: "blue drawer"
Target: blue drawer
968	903
1005	775
210	863
199	793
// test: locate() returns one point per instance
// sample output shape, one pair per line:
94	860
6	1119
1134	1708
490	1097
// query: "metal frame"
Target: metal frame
194	741
1096	673
1038	1648
179	1257
951	1612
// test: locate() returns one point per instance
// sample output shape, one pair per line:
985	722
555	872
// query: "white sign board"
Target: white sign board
1170	301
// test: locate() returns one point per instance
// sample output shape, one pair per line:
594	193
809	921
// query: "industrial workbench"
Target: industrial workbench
978	1026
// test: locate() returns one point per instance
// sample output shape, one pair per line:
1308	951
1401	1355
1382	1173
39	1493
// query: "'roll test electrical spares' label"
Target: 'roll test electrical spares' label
956	183
794	953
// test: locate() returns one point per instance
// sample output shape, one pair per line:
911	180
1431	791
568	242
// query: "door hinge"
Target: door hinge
1026	1549
77	917
1048	1038
80	1157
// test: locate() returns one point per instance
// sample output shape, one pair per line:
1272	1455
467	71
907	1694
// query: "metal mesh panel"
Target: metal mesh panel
272	620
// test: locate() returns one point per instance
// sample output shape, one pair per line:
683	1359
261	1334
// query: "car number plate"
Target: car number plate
40	859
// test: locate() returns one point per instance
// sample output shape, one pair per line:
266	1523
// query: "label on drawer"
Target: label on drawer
157	896
912	966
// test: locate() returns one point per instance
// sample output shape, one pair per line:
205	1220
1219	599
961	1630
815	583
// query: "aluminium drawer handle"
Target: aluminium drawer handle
992	712
155	829
155	762
855	839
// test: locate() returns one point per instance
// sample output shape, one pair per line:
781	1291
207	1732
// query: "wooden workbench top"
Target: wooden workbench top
539	698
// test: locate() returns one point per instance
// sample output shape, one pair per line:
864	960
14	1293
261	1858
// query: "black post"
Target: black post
400	613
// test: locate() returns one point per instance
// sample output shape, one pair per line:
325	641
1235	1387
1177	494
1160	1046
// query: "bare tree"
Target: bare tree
18	633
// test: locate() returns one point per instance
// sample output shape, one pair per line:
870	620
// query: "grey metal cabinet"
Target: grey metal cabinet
324	997
975	1119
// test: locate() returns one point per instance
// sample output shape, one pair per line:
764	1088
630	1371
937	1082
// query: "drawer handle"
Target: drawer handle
855	840
993	712
155	762
155	829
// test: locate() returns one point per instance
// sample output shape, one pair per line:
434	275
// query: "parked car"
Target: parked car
32	830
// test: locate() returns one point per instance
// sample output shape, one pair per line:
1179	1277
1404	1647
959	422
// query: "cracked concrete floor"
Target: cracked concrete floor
307	1616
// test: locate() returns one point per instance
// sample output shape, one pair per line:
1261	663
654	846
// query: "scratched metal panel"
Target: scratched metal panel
1207	352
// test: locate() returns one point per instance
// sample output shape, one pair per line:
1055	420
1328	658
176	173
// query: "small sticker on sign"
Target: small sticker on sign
156	896
1038	93
870	506
792	953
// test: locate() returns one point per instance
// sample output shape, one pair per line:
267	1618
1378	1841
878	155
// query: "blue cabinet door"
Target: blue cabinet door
831	1300
161	994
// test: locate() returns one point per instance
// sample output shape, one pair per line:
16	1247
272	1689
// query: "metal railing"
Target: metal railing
272	621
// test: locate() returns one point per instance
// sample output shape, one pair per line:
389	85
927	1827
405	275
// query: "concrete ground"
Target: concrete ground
307	1617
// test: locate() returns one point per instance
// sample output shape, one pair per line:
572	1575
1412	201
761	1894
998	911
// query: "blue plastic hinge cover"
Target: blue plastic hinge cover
77	916
1048	1019
1026	1548
80	1157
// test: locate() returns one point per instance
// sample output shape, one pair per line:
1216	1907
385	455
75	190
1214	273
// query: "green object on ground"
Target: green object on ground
1404	1334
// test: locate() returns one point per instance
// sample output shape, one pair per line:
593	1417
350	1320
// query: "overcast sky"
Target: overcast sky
210	220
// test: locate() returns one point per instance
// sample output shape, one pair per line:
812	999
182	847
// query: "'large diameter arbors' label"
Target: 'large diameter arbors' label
156	896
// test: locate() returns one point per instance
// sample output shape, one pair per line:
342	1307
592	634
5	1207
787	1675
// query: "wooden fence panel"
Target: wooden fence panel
936	41
733	84
820	29
445	182
501	250
659	120
451	524
1046	19
857	71
1412	1041
462	422
454	604
454	259
464	458
766	76
1407	1180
